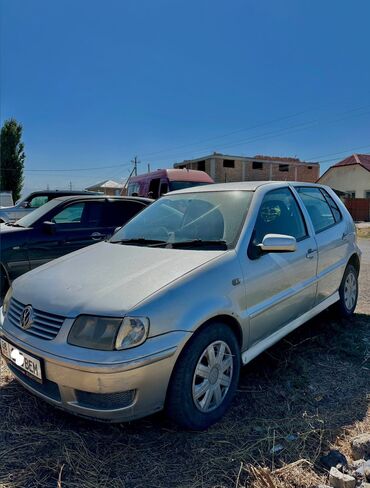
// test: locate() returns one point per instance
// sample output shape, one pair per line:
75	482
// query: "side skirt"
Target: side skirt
261	346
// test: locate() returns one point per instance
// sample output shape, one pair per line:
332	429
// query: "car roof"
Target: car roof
242	186
103	197
64	192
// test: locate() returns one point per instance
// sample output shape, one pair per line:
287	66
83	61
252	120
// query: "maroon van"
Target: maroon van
159	182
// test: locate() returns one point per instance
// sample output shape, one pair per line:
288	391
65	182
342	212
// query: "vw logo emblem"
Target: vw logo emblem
26	319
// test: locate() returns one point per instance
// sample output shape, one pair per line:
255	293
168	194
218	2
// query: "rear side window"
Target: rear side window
333	206
321	207
118	213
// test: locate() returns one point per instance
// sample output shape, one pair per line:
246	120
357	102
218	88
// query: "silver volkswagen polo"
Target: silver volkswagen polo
164	314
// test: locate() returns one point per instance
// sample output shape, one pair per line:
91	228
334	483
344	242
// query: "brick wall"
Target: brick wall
243	171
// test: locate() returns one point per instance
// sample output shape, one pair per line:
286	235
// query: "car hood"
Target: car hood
105	279
8	229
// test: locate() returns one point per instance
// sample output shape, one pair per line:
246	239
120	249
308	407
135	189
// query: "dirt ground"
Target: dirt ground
308	393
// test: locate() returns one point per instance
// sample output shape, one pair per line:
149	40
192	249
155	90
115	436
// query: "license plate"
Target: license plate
22	360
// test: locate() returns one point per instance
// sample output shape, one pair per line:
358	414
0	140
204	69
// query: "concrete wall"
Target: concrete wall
348	178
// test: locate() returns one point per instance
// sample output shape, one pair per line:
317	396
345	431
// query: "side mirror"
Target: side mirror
49	227
25	205
278	243
117	229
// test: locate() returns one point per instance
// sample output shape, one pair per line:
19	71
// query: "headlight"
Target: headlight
107	333
133	332
6	301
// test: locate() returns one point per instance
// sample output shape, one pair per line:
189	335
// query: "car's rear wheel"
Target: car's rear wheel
205	378
348	292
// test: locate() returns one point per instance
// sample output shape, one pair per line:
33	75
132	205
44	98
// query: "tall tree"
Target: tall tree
11	158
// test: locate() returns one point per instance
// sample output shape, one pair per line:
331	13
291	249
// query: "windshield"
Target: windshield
215	216
180	185
30	219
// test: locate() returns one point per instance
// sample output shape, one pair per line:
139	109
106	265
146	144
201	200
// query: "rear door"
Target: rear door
280	287
332	238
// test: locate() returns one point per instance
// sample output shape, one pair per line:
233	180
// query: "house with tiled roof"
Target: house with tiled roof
108	187
351	176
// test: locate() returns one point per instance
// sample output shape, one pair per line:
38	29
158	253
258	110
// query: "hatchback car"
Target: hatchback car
62	225
35	200
164	314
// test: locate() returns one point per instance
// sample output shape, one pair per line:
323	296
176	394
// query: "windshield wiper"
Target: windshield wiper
200	242
141	241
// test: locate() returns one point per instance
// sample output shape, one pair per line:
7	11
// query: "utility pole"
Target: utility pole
135	162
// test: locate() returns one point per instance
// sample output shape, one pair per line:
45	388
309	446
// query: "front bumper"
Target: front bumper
117	392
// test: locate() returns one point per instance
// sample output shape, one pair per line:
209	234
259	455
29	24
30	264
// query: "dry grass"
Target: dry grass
365	232
307	393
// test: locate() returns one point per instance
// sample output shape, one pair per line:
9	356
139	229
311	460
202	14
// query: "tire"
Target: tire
197	370
348	293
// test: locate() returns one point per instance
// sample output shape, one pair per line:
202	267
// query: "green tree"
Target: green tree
11	158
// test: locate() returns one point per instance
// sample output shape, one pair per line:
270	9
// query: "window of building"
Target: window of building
257	165
284	167
229	163
201	165
351	194
367	194
309	167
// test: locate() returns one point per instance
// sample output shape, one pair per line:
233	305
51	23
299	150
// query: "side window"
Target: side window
164	188
36	202
70	215
133	188
279	213
333	206
318	207
92	215
118	213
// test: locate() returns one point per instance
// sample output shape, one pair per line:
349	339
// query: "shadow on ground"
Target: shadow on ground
300	394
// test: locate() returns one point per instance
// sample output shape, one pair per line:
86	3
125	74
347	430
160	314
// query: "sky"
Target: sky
95	83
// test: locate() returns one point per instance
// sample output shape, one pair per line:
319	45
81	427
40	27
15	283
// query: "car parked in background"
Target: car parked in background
6	199
35	200
164	313
62	225
162	181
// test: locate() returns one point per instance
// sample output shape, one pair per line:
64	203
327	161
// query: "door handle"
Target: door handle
344	236
96	236
311	253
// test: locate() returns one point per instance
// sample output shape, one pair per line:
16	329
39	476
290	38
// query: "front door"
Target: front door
76	225
280	286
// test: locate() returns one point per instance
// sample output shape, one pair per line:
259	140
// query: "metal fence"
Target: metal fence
359	208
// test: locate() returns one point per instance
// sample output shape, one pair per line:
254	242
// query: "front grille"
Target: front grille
105	401
45	325
47	388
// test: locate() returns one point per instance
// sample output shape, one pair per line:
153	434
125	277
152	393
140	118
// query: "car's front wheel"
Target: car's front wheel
205	378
